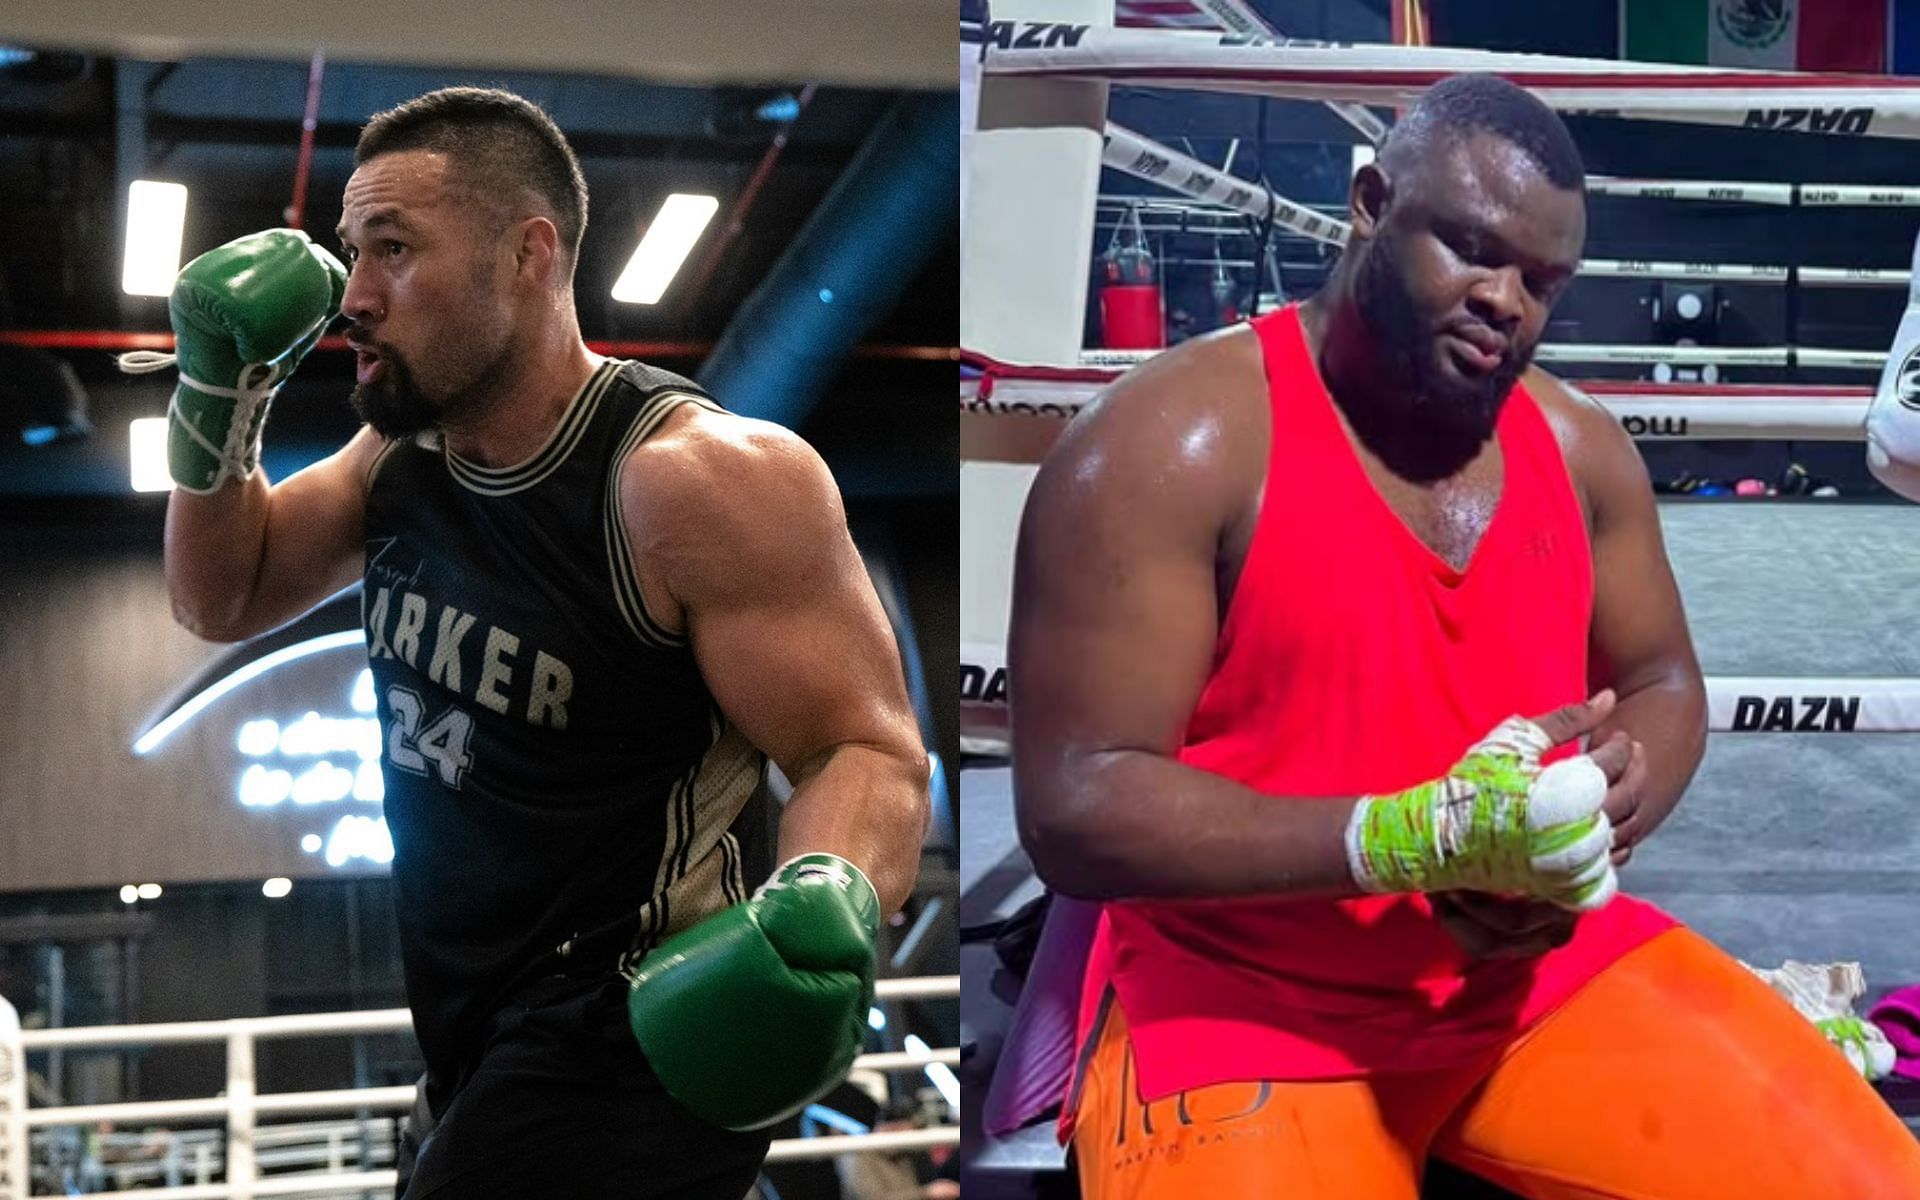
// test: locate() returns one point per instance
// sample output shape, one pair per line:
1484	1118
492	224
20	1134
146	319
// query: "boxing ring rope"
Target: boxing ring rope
1757	273
242	1104
1735	703
1237	16
1143	158
1742	356
1133	154
895	1142
1692	189
1396	76
1812	195
1695	412
344	1181
1595	352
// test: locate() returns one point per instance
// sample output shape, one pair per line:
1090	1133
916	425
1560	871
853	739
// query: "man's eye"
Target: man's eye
392	248
1463	246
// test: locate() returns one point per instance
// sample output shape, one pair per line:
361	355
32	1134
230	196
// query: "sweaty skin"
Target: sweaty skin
1142	516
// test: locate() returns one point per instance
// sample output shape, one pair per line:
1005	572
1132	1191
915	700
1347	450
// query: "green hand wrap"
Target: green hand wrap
244	315
758	1011
1496	822
1862	1042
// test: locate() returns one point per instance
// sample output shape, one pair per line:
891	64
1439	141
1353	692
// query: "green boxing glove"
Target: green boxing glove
758	1011
243	315
1496	822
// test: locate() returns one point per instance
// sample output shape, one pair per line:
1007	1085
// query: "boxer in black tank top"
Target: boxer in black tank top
561	788
596	606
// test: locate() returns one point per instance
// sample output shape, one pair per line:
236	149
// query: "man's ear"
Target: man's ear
1368	198
536	254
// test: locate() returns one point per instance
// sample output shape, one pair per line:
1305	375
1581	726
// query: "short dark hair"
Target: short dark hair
504	142
1461	105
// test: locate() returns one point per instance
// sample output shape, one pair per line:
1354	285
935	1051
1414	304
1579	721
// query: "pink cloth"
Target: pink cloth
1898	1016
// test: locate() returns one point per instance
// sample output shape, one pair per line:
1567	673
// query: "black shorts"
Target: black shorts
563	1104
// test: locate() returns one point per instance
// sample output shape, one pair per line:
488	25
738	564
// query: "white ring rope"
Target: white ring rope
1817	195
296	1185
1628	268
1691	189
1236	16
1743	356
1854	277
1764	273
1648	411
1143	158
1859	195
1750	704
1735	703
1754	412
1396	76
240	1104
785	1150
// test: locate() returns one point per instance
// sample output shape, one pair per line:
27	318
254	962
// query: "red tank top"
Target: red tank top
1354	660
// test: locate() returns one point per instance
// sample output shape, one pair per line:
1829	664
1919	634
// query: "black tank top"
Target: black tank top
561	789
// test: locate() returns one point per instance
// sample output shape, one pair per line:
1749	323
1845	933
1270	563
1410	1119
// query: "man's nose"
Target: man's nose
1499	298
363	303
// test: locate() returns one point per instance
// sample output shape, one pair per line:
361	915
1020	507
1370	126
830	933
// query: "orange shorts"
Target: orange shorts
1673	1075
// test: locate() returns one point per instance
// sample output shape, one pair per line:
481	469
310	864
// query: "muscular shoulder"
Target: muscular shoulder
1187	429
1600	457
1212	383
714	502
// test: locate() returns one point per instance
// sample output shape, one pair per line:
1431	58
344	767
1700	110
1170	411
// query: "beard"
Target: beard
396	406
393	403
1454	406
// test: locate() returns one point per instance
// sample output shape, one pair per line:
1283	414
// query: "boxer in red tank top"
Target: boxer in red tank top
1285	570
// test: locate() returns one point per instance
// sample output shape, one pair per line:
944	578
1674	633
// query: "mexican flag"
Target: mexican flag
1789	35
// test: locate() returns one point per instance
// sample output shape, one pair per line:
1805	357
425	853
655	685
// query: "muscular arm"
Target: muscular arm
742	542
251	556
1115	613
1640	646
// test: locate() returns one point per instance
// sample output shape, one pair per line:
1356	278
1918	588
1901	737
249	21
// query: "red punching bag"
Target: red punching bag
1132	311
1225	292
